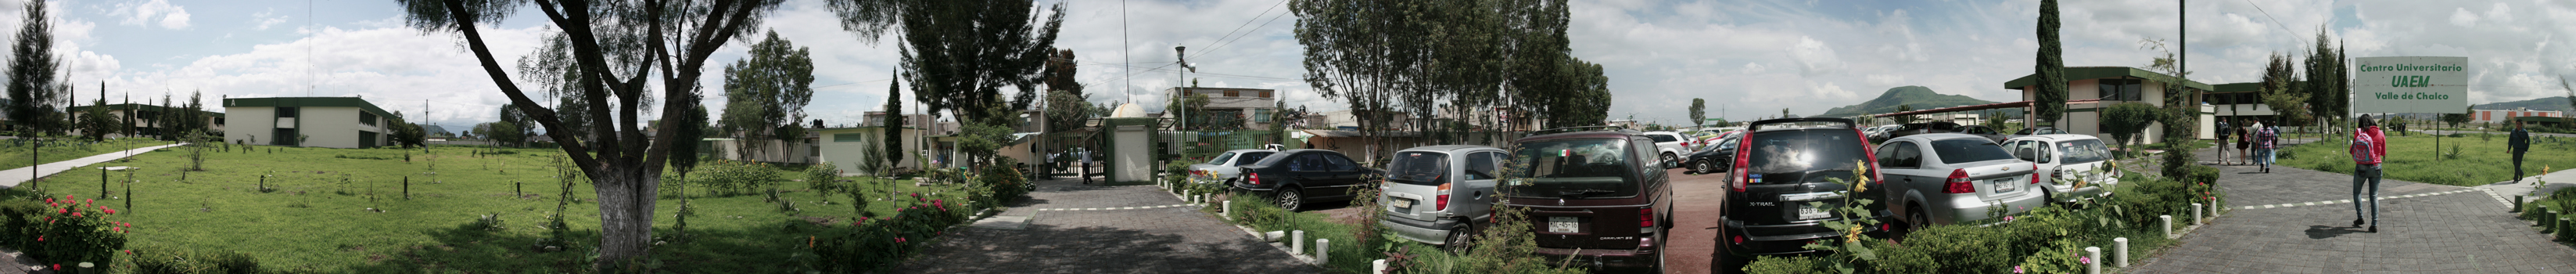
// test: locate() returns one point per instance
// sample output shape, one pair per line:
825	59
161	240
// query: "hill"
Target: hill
2541	104
1917	96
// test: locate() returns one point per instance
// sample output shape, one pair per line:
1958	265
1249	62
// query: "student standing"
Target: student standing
2222	141
2521	141
2266	139
2369	145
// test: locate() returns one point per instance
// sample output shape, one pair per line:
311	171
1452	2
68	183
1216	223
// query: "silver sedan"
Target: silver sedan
1951	178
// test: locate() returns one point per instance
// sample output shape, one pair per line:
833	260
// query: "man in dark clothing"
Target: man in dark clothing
2521	141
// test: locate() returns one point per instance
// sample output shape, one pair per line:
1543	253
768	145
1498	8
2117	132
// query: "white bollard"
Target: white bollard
2094	267
1377	267
2167	221
1297	242
2122	252
1226	208
1273	236
1322	254
2195	215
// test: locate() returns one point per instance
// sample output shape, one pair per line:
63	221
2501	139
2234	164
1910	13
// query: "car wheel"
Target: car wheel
1289	198
1916	220
1663	254
1704	166
1670	161
1459	240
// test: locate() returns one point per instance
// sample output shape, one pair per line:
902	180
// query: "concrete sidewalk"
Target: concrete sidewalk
12	177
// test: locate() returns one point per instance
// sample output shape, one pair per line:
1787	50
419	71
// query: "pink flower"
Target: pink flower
40	238
898	239
62	210
2086	260
76	214
129	252
111	211
2008	218
2016	269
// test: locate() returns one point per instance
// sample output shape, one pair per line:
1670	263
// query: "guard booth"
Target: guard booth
1127	148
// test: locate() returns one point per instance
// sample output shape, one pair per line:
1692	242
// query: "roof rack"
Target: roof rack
1585	128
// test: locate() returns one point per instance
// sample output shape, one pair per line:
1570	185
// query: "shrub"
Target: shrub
1795	264
872	244
158	261
1001	183
822	177
735	177
65	229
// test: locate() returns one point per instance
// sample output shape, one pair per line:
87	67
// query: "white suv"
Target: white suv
1670	147
2080	160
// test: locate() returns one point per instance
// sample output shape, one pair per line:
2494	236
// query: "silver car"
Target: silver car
1437	194
1223	167
1950	178
2073	166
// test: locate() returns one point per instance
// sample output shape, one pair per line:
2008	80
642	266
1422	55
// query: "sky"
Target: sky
1747	58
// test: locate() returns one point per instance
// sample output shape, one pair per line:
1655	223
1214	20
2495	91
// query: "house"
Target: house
1350	119
2501	115
334	122
214	120
2236	102
1234	108
848	147
2091	89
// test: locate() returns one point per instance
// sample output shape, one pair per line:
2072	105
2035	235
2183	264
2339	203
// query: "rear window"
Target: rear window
2082	151
1968	150
1792	155
1574	168
1419	168
1660	138
1250	157
1220	158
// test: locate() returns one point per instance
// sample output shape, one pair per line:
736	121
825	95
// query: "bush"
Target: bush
157	261
1797	264
66	229
1001	183
735	177
873	244
822	177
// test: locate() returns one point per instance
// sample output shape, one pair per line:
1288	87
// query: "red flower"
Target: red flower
62	210
111	211
69	197
76	214
58	266
129	252
40	238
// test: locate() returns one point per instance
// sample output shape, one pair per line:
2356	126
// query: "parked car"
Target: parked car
1599	193
1949	178
1982	131
2074	157
1225	167
1716	159
2027	132
1879	133
1295	178
1915	128
1782	171
1669	147
1440	194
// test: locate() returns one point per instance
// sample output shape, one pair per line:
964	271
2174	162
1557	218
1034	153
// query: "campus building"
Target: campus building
333	122
2501	115
2092	89
1250	108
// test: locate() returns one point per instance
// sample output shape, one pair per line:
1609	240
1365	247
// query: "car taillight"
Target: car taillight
1646	217
1958	183
2034	174
1443	203
1256	178
1739	239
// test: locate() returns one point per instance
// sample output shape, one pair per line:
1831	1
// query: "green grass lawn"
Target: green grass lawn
2413	158
317	219
12	156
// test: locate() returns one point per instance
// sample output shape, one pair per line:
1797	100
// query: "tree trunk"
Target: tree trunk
625	214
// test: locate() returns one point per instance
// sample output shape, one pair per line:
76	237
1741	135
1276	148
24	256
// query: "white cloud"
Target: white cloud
2462	17
265	19
155	12
1814	57
1755	68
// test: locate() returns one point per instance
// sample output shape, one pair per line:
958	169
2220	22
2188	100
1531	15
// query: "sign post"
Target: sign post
2411	84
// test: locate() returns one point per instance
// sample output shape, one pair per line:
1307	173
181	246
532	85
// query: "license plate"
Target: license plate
1810	212
1563	225
1400	203
2003	185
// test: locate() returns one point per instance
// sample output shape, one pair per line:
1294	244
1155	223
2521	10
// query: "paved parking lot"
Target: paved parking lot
2301	223
1697	200
1076	228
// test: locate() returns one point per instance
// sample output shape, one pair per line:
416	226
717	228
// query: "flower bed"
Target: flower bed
65	229
2050	239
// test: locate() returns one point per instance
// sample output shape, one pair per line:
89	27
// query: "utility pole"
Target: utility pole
1180	90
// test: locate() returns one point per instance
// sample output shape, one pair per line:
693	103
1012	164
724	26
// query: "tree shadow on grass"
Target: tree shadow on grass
1056	249
763	248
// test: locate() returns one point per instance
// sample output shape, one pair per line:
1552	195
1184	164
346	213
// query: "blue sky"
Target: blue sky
1750	57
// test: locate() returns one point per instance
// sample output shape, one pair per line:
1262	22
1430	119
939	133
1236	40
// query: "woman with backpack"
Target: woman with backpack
2266	139
2369	145
2244	142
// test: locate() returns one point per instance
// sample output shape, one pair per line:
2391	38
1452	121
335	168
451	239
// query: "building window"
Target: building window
2123	89
285	112
1265	94
368	118
1261	115
1233	93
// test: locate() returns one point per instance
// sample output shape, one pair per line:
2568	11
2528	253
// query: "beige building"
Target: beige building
2092	89
334	122
1250	106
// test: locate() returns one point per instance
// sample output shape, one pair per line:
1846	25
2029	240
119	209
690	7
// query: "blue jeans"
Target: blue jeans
2263	156
2365	175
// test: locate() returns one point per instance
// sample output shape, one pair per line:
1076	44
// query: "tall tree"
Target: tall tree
2050	100
2328	89
32	93
959	55
616	44
684	149
2181	117
894	123
516	131
96	122
1699	112
766	93
2280	91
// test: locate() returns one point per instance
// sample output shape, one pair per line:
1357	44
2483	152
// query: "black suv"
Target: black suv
1600	196
1296	177
1781	166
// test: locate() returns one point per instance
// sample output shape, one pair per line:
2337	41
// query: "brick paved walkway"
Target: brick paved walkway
1150	238
2440	230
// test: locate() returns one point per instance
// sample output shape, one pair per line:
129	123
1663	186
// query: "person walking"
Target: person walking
2519	142
2244	143
2222	141
2369	145
2266	139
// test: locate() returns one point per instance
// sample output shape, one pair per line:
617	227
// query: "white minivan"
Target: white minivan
2074	166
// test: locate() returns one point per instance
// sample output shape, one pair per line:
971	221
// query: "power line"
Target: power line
2276	22
1273	19
1246	22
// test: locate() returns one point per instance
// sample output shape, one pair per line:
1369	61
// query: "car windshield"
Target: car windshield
1220	158
1574	168
2082	151
1419	168
1790	156
1968	150
1660	138
1250	157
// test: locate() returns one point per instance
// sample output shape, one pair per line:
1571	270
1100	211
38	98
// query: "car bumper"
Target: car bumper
1433	232
1764	240
1604	258
1971	209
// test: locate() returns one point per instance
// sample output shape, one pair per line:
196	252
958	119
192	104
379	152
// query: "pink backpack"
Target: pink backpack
2361	148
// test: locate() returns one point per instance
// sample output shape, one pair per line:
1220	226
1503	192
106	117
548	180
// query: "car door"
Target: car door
1479	172
1340	175
1304	169
1901	163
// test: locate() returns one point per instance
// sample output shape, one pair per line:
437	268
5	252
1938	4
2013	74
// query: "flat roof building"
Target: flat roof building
334	122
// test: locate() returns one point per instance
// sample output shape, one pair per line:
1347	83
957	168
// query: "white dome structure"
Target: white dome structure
1128	110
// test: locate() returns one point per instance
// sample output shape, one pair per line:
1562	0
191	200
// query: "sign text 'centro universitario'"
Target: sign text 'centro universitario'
2412	84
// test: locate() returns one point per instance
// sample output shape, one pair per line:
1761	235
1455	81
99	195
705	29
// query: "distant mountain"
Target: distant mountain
2541	104
1919	97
